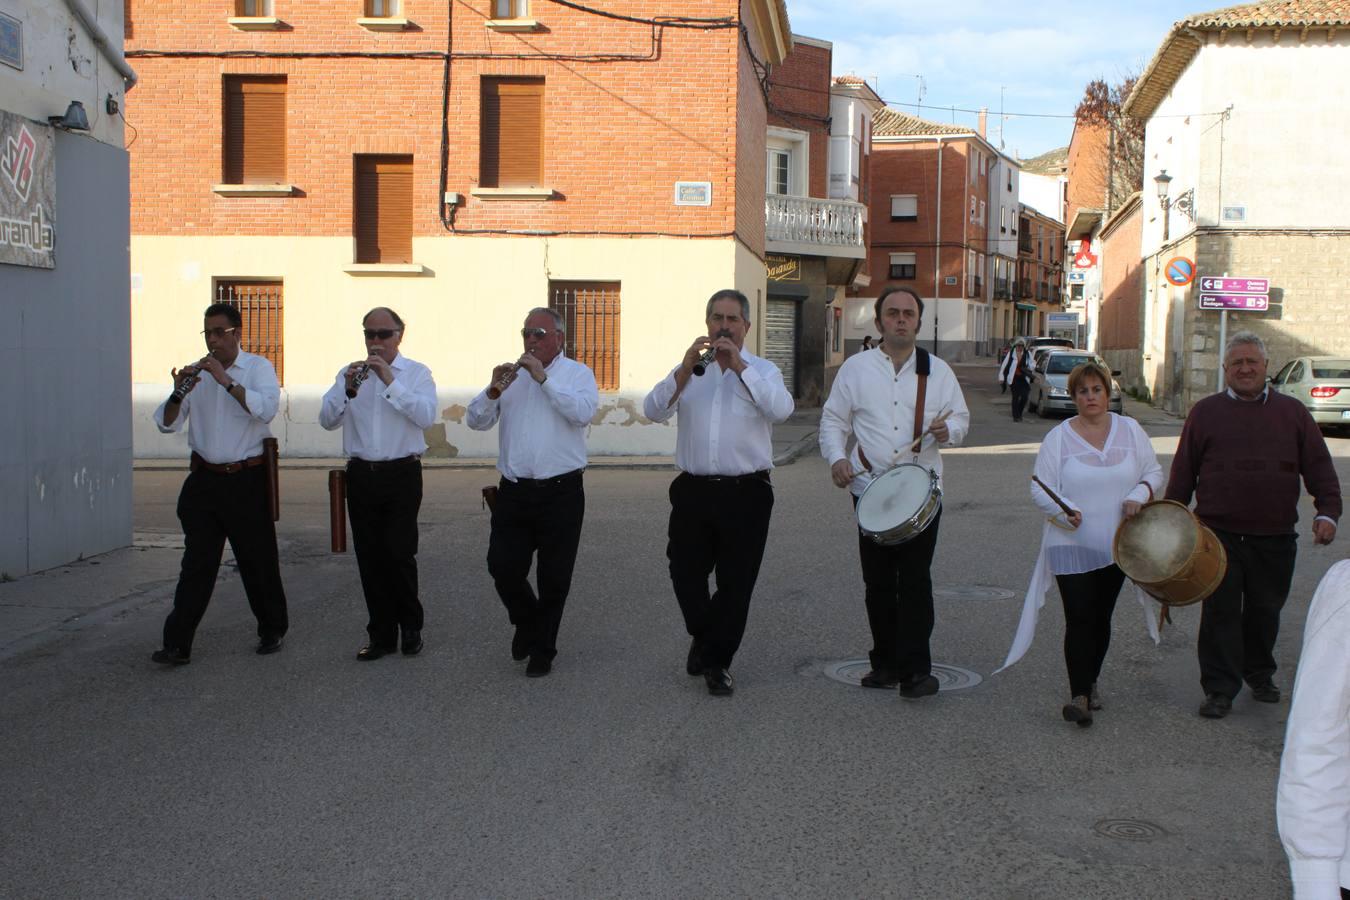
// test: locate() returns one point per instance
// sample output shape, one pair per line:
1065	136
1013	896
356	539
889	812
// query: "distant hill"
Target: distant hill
1055	162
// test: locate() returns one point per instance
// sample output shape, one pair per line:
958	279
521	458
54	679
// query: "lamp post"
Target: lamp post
1163	181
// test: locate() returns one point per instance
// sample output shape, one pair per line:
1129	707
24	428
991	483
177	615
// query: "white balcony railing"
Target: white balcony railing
813	221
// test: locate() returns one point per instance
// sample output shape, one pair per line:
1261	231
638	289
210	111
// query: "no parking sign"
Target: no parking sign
1179	271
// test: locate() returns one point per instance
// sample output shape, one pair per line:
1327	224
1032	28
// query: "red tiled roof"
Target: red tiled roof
1181	43
891	123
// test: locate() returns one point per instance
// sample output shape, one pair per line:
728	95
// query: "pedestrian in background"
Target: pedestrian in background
1016	374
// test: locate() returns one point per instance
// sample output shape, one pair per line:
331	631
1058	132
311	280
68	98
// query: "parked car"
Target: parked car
1050	381
1322	384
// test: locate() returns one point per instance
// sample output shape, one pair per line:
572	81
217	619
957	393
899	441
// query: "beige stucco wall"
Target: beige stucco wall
463	317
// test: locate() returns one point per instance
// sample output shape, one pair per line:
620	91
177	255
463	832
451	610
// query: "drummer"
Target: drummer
1103	468
1241	454
873	401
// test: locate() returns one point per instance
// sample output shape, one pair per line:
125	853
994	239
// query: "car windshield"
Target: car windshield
1331	368
1063	365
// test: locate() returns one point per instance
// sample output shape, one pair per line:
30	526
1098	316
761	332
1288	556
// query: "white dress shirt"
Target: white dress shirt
1313	800
874	403
222	431
383	421
725	426
543	426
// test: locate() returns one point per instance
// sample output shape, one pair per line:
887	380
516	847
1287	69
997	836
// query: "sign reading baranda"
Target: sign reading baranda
27	192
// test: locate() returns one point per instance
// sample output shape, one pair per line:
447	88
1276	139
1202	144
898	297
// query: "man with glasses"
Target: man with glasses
728	401
382	404
227	397
540	502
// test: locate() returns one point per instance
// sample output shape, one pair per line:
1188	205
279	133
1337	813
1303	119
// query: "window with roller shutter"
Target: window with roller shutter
255	129
512	139
383	226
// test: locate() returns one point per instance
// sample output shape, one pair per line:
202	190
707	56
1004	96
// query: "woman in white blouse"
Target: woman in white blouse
1103	467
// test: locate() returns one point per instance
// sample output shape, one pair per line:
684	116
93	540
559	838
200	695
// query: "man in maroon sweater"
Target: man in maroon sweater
1241	454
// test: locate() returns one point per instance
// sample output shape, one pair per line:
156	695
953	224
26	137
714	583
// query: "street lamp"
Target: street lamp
1184	203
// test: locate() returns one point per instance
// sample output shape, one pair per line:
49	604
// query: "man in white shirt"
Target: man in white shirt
721	502
227	398
1313	801
383	403
545	402
873	399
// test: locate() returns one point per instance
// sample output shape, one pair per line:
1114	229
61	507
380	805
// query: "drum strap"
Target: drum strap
922	367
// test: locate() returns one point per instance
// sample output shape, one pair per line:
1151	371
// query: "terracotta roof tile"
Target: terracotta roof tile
890	123
1180	45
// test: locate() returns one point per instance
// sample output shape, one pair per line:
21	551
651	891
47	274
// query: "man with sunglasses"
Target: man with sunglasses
544	402
227	398
383	403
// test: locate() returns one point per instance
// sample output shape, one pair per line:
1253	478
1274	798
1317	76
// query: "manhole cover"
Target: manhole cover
972	592
1129	830
950	678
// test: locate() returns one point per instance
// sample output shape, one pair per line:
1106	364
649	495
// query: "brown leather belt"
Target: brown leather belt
196	462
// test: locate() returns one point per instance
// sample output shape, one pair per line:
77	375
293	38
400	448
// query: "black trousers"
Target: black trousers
1241	619
540	517
718	527
1020	391
213	508
899	597
1089	600
383	500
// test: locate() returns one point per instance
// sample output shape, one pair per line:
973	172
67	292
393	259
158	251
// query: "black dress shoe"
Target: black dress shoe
538	667
1266	692
412	642
372	652
1216	706
880	678
694	664
520	644
171	656
915	688
269	644
719	681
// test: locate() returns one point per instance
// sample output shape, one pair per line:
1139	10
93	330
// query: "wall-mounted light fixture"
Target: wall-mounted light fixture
1184	203
75	118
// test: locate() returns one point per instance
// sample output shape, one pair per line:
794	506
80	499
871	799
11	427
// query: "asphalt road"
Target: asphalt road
450	774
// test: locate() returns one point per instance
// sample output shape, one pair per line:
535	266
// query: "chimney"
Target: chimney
984	114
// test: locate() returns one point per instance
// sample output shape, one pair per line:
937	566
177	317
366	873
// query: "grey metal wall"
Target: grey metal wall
65	400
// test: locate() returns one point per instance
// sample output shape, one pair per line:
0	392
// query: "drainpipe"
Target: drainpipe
100	38
937	251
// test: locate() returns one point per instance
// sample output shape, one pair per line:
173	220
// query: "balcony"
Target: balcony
1001	291
814	227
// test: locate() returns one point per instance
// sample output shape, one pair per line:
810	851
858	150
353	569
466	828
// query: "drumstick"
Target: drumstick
1053	496
937	420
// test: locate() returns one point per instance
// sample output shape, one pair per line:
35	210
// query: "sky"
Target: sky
1038	55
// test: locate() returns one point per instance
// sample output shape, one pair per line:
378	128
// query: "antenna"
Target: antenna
1002	119
922	92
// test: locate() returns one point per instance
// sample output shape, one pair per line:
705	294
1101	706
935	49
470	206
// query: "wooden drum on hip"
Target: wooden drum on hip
1169	553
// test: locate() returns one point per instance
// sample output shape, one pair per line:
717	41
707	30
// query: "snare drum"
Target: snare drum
899	504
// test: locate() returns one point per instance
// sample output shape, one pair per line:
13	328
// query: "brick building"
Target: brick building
1040	270
816	148
1251	141
459	160
1121	313
933	187
1085	210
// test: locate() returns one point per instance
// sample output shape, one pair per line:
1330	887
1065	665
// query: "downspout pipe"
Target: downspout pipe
111	52
937	251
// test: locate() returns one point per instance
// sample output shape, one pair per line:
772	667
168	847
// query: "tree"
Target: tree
1123	169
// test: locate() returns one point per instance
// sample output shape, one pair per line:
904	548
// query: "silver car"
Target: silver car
1050	382
1322	384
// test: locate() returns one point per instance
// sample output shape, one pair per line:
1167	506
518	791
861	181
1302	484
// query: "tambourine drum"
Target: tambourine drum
899	504
1166	550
